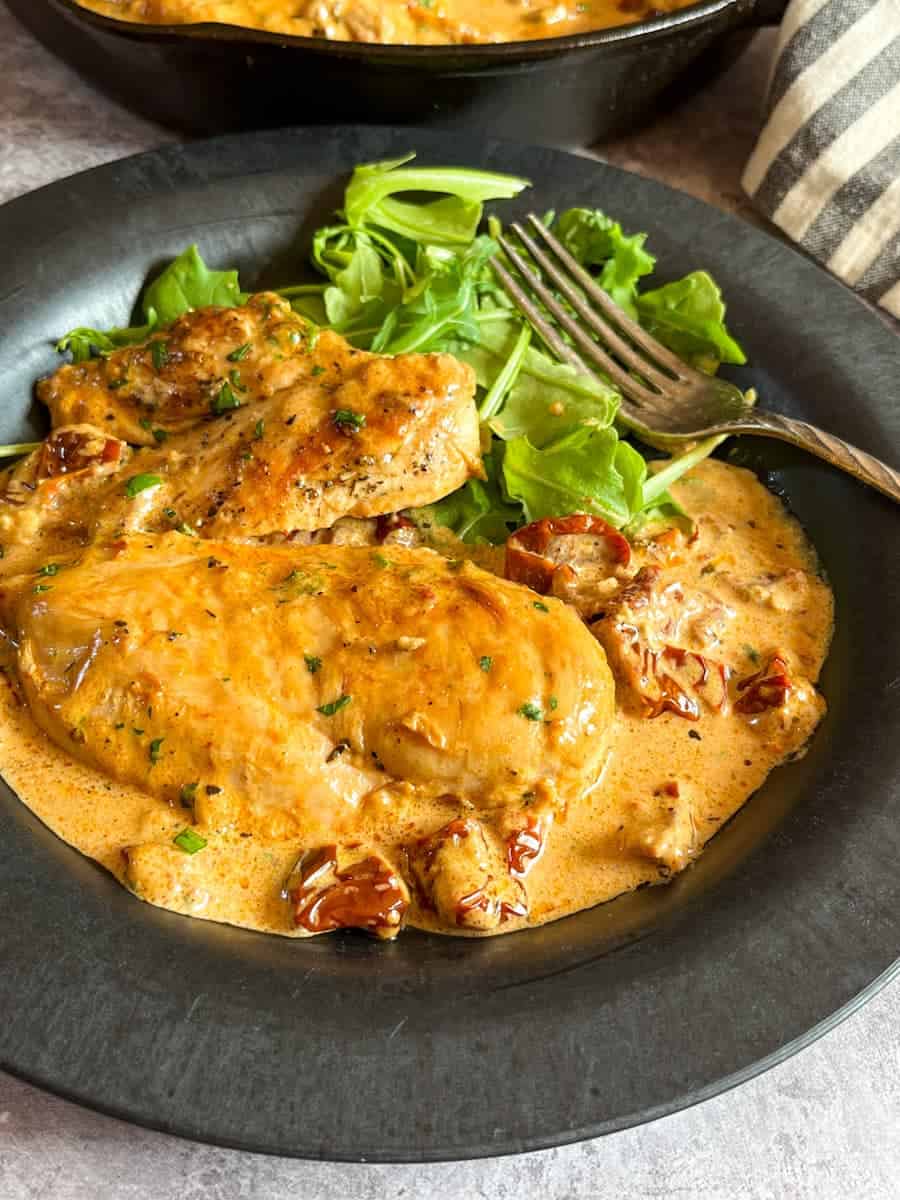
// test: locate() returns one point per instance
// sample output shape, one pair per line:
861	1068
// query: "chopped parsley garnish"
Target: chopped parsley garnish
531	711
159	352
184	528
317	370
553	704
752	653
159	435
347	420
236	381
140	483
334	706
188	841
155	751
541	606
119	725
115	384
259	430
135	730
50	569
42	587
485	662
380	561
313	663
240	353
189	794
301	583
170	513
224	400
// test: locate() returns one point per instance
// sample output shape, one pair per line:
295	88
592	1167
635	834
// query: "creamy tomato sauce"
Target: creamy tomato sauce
715	642
395	21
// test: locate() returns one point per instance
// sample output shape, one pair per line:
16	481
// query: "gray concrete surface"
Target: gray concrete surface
824	1125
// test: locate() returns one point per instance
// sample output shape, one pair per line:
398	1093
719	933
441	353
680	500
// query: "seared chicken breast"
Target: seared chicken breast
311	692
309	648
165	385
390	433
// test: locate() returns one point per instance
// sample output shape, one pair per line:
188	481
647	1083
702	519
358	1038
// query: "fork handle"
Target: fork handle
834	450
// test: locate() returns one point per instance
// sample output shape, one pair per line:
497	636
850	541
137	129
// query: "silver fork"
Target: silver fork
662	396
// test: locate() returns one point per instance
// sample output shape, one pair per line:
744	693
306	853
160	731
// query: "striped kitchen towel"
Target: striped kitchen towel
826	168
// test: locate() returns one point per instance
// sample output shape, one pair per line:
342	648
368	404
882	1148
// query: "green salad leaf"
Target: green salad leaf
595	240
188	283
688	316
404	269
185	283
576	473
84	342
546	398
453	220
478	511
406	274
17	449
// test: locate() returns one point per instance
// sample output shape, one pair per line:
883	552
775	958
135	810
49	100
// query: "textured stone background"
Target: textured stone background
824	1125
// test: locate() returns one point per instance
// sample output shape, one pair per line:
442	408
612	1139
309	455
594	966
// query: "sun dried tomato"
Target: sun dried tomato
526	557
768	688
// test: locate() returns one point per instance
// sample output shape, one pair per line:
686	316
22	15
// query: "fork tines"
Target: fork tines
660	371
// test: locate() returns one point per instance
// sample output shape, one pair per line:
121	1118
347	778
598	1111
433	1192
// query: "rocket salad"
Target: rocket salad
405	269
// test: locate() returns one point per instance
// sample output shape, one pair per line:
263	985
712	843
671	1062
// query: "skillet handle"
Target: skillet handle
768	12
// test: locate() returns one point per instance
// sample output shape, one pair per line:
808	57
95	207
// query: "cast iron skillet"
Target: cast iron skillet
440	1047
566	91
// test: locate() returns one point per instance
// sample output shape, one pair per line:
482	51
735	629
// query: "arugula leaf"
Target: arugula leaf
444	312
579	472
478	511
547	399
16	449
596	240
84	343
505	379
361	281
451	220
688	316
186	283
657	503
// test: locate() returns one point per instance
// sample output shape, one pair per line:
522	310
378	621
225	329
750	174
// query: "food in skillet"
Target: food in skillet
301	635
397	21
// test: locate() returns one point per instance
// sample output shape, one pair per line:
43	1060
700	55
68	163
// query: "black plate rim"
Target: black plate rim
483	1150
473	1149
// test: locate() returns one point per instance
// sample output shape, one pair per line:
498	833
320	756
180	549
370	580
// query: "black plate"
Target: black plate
436	1047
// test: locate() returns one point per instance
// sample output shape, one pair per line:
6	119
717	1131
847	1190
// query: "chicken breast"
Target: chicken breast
147	392
321	693
390	433
257	662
